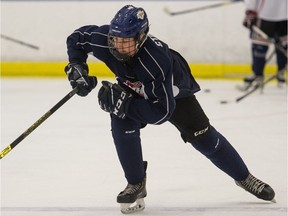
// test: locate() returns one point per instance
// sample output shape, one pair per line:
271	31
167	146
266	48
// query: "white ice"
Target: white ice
68	166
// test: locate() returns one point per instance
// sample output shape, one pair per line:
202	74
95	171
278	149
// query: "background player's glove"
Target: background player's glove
250	18
78	77
114	99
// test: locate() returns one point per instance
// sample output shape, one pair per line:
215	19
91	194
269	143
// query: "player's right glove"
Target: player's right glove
250	18
114	99
78	77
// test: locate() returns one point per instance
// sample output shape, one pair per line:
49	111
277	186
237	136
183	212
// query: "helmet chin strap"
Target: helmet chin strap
141	39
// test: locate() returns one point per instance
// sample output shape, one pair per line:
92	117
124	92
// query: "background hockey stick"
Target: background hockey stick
37	123
254	87
166	10
265	36
19	42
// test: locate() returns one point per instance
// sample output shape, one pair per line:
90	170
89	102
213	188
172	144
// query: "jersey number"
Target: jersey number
156	41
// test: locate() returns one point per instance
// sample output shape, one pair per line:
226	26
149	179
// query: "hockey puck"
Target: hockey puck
223	102
207	90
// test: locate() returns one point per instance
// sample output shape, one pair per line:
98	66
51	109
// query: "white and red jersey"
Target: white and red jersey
270	10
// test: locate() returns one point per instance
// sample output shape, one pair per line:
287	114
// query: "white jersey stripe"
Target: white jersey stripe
156	63
164	89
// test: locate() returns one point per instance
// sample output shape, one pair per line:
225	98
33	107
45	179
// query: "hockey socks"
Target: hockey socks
221	153
258	54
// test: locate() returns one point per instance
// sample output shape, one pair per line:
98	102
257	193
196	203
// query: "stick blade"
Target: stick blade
168	11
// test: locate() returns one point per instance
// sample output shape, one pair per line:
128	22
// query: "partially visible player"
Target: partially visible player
155	85
271	17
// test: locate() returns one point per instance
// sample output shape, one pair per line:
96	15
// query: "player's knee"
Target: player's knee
121	135
259	50
208	143
189	136
125	134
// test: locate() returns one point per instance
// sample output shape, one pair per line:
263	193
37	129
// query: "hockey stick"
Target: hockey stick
19	42
37	123
265	36
255	88
166	10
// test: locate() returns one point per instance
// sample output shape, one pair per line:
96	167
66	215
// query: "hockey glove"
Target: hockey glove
78	77
114	99
250	19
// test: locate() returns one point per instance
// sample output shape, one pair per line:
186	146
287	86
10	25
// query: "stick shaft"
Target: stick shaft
37	123
19	42
255	88
265	36
198	9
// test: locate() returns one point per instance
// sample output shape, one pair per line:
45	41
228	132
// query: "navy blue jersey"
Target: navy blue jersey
156	73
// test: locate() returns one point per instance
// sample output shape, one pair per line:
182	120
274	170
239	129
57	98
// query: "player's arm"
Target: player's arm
155	107
78	47
158	104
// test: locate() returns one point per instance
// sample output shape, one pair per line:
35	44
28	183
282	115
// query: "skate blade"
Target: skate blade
129	208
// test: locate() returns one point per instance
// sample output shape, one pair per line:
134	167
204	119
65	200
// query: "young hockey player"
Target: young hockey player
154	86
271	18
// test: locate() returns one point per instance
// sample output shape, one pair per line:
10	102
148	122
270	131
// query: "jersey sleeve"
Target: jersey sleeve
86	40
251	4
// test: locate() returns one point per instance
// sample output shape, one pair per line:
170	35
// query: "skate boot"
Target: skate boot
131	199
258	188
251	81
281	78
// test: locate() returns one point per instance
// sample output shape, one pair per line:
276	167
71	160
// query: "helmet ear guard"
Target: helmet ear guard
129	22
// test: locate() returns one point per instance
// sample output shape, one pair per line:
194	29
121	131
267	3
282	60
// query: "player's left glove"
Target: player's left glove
114	99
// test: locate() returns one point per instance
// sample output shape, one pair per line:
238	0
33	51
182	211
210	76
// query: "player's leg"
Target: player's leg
259	48
194	127
281	31
126	135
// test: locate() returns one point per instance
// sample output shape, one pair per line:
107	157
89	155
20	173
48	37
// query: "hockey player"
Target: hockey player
154	86
271	18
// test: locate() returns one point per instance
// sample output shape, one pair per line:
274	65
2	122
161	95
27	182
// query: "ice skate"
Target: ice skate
131	199
281	79
251	81
258	188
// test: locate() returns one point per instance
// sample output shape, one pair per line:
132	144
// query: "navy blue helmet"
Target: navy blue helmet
129	22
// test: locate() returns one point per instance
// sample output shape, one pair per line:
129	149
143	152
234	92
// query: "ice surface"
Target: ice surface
68	166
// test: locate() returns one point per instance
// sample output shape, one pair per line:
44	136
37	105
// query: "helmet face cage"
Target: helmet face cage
128	31
122	48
